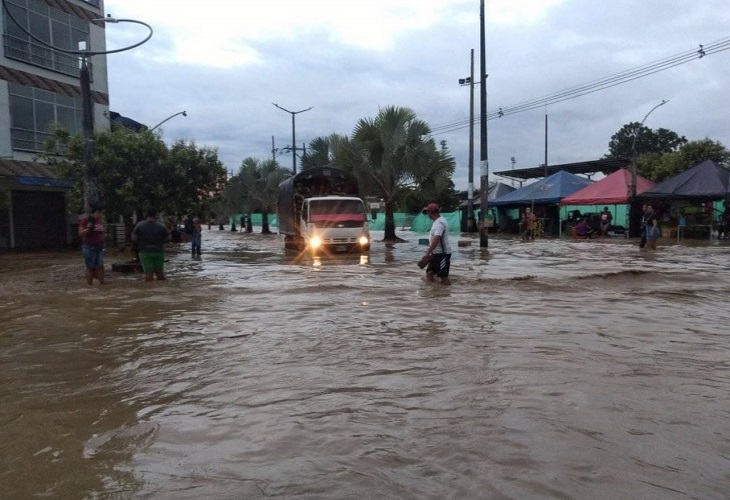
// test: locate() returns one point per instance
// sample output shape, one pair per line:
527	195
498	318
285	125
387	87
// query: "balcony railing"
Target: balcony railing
28	140
40	55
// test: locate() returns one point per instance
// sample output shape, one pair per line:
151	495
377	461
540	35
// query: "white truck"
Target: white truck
320	210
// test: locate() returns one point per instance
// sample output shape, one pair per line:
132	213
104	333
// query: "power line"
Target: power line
596	85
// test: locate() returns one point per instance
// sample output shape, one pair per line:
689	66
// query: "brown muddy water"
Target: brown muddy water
553	369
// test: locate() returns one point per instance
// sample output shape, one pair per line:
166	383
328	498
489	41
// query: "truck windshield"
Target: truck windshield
336	210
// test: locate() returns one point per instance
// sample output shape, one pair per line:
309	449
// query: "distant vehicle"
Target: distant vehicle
320	210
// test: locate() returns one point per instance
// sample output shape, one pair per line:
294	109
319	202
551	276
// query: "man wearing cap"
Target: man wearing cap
439	248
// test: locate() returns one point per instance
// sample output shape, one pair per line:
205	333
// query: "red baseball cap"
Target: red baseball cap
431	207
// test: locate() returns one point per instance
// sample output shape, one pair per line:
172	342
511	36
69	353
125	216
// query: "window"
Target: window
45	23
34	112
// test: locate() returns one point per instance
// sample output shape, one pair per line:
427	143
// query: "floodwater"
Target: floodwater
552	369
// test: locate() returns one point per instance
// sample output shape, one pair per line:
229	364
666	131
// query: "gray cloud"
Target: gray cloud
575	42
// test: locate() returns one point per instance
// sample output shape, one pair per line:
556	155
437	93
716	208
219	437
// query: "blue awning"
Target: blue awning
43	181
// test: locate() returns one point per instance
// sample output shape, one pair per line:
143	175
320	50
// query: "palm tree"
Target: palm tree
322	151
255	187
270	175
394	152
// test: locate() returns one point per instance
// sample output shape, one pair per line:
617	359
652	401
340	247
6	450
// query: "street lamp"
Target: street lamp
293	135
91	195
91	192
470	225
184	113
634	215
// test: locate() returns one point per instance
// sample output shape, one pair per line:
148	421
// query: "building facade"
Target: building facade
39	89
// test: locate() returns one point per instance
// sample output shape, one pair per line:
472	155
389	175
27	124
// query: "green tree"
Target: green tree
658	166
196	175
324	151
255	188
394	152
271	174
647	141
136	170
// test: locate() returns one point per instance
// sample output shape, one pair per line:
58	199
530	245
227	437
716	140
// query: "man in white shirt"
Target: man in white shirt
439	248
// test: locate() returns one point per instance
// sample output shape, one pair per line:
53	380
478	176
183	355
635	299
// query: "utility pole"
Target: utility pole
470	222
273	149
546	145
293	135
91	191
484	234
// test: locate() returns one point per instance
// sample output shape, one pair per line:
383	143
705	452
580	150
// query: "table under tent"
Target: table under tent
613	191
543	197
689	203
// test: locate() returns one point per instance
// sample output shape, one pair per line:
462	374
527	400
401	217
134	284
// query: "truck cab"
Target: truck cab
320	211
334	224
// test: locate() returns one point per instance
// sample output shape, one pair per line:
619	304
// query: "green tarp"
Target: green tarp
419	223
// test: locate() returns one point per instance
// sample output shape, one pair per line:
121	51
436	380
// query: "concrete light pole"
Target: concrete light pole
184	113
293	135
484	186
470	222
91	194
91	191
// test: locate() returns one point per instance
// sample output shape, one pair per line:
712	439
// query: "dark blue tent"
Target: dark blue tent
496	190
549	190
705	181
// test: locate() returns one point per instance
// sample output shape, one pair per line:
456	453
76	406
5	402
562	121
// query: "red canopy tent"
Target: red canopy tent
614	189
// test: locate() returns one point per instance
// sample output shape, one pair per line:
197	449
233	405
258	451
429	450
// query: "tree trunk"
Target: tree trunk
390	222
265	222
249	224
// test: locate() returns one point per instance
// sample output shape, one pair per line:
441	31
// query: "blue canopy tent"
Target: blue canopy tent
545	192
496	189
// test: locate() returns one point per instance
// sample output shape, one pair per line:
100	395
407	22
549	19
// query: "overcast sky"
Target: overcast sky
226	61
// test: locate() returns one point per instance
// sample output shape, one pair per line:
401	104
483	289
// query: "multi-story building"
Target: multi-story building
39	88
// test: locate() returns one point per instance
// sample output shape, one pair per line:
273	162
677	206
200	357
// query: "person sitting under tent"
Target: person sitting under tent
583	229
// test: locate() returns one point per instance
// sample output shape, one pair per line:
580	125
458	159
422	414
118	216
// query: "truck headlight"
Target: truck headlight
363	240
315	242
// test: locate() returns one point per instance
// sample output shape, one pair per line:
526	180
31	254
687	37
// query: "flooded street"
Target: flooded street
553	369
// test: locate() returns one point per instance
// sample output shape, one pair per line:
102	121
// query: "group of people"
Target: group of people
438	254
584	229
148	236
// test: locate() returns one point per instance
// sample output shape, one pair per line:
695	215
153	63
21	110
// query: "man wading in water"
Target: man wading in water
439	248
151	237
93	235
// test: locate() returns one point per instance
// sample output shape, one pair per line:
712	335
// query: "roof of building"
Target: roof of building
126	122
605	166
26	169
31	173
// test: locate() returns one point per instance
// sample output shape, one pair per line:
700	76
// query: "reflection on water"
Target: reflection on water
554	369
